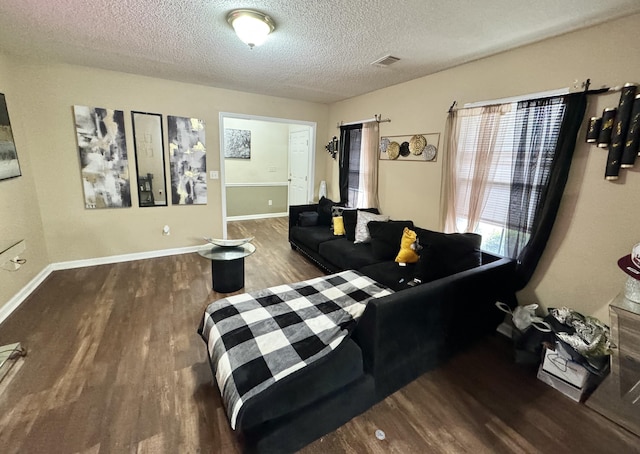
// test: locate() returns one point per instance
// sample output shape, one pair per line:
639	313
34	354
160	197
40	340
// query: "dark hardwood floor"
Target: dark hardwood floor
115	365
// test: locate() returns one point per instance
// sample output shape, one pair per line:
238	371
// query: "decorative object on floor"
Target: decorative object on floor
252	27
103	157
322	190
416	147
148	143
237	143
228	243
188	160
9	165
630	264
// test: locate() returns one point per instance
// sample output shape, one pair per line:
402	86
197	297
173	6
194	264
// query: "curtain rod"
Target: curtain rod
585	86
378	118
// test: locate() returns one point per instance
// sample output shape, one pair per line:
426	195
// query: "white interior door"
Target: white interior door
299	167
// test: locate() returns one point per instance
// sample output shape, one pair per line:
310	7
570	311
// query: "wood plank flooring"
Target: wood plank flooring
115	366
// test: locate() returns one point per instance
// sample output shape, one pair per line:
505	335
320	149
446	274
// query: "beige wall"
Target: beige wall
254	200
41	97
19	210
598	221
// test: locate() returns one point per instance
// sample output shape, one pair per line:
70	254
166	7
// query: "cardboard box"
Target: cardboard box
565	388
564	369
570	378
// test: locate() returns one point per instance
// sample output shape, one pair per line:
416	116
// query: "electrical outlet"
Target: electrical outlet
270	202
166	230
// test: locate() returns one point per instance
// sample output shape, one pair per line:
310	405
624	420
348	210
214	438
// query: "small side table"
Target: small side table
227	266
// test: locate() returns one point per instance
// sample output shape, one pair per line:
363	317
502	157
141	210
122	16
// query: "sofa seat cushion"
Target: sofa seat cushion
347	255
321	378
311	237
391	274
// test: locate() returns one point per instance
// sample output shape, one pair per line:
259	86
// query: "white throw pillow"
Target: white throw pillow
362	231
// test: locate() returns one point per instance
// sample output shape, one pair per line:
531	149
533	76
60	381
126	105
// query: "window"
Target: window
359	165
503	159
355	140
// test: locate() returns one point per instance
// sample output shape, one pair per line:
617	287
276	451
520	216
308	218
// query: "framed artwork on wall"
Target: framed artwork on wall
416	147
237	143
104	163
9	165
188	160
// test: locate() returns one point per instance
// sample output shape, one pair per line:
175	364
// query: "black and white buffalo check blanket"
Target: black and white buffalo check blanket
257	338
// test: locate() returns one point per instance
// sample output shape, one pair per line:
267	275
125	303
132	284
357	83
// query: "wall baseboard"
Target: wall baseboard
249	217
24	293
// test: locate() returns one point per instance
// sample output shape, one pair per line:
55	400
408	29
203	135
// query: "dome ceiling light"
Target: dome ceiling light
251	26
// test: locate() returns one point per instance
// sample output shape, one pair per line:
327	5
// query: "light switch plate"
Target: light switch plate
214	175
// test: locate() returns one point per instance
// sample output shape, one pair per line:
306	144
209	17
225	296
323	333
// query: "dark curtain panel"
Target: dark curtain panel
539	175
345	160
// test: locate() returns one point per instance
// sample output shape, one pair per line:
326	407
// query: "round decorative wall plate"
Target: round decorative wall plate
393	150
430	152
417	144
384	143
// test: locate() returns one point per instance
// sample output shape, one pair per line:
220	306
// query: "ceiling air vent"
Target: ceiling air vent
385	61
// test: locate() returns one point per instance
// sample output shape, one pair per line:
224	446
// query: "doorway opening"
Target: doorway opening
266	164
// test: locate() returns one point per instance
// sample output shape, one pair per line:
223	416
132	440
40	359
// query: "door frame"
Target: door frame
312	154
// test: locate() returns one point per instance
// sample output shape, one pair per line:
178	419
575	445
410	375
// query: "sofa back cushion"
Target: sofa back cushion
362	234
444	254
324	210
386	236
350	218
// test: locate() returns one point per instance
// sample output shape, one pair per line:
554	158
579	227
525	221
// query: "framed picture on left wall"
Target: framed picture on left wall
104	163
9	165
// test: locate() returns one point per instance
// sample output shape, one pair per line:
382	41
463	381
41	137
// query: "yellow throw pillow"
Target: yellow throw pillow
338	225
406	254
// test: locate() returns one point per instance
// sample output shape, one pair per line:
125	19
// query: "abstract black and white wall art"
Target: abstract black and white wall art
9	165
237	143
103	157
188	158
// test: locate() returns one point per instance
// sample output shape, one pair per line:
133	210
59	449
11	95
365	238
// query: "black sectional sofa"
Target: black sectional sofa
399	336
419	326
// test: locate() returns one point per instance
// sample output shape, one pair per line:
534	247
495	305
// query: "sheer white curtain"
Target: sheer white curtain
471	142
368	180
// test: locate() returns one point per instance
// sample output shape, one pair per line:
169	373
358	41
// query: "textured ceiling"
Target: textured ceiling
320	51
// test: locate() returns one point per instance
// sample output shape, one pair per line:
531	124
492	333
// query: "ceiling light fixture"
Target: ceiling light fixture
251	26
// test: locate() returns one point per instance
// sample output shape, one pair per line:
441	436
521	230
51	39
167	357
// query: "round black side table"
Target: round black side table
227	266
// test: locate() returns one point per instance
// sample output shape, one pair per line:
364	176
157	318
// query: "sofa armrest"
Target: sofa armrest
295	210
404	334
